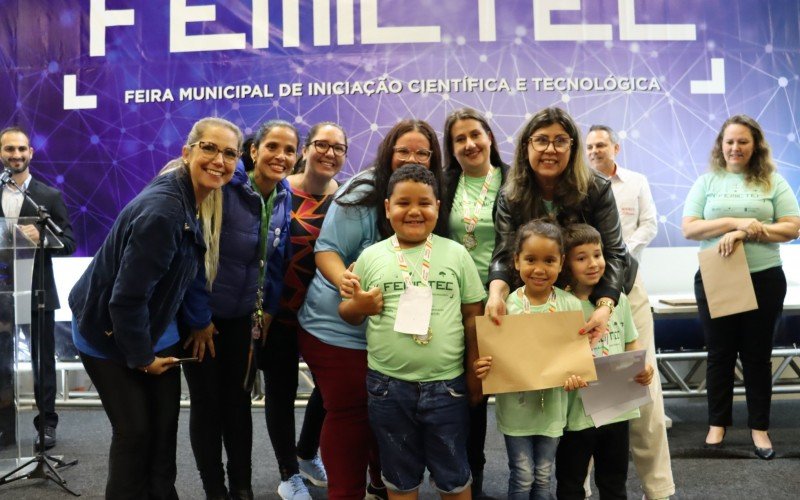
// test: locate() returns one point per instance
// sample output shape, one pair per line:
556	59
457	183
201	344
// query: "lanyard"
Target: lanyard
471	221
551	302
526	306
266	215
403	263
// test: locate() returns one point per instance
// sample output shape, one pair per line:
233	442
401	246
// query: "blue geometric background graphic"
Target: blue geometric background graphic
743	58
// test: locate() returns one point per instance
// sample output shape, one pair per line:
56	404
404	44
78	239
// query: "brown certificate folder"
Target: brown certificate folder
727	282
534	351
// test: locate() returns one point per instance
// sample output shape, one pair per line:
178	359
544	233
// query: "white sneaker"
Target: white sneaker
293	489
314	471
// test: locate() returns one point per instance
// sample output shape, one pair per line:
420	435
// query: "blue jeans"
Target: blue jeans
419	425
530	461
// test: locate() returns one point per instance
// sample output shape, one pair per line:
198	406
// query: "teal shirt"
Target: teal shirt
484	229
534	413
724	194
346	231
453	280
621	331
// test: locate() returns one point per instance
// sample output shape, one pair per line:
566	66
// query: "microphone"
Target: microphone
5	177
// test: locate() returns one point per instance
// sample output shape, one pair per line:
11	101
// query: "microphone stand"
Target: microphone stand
43	469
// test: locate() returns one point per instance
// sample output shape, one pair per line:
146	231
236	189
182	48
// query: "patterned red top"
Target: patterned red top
308	212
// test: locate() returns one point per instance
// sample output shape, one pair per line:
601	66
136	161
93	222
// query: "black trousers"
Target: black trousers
748	335
44	388
477	437
278	361
220	409
143	410
609	446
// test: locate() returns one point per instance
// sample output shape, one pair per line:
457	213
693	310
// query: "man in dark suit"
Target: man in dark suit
16	155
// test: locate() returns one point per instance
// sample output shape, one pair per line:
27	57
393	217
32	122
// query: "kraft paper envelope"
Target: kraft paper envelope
534	351
727	282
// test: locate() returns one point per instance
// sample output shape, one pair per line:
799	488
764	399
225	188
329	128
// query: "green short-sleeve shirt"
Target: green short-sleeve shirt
534	413
484	229
621	331
454	281
724	194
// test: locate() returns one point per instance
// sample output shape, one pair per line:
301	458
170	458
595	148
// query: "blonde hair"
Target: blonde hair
761	166
210	210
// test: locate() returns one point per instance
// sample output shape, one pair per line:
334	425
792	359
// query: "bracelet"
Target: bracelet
605	302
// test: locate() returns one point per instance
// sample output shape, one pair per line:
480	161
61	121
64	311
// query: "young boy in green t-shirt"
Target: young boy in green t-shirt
421	293
582	440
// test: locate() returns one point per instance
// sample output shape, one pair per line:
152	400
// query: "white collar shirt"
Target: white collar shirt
13	198
637	210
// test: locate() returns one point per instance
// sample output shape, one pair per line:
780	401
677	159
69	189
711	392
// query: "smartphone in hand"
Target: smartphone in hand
180	361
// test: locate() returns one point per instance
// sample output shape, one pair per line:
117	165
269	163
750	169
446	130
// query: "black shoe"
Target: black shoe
245	494
765	453
49	439
376	493
716	446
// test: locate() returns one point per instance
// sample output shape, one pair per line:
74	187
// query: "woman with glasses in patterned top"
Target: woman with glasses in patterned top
312	186
334	350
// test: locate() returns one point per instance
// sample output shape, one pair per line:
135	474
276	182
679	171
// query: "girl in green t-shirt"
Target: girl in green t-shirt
533	421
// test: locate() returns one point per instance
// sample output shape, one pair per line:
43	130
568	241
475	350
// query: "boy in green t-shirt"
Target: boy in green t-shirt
421	293
582	440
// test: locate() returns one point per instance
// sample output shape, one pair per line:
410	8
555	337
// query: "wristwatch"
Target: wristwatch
605	302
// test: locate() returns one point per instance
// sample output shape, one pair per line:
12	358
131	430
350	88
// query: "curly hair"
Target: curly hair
761	166
415	173
522	190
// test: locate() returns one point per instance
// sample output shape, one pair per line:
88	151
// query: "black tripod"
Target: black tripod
43	469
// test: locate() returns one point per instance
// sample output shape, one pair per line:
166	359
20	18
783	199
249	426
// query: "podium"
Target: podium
17	253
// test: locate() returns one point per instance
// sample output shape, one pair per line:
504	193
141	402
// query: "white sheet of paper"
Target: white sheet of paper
615	391
603	417
414	311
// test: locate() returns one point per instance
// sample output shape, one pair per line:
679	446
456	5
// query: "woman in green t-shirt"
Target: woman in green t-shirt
473	176
742	201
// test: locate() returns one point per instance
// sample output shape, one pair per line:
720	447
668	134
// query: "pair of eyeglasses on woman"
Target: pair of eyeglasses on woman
540	143
209	150
322	148
405	154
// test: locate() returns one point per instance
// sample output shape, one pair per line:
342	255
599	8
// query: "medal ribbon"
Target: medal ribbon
526	306
403	264
551	301
472	221
266	215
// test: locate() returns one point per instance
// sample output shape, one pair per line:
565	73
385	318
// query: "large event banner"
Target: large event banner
110	88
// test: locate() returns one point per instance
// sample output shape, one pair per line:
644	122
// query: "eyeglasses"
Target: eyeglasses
209	150
322	148
405	154
540	143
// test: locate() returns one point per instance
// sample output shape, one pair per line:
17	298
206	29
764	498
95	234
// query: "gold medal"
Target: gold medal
423	339
470	241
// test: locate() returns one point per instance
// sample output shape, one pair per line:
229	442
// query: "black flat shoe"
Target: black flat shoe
765	453
716	446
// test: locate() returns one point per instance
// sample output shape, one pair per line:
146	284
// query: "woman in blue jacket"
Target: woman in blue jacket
124	305
255	227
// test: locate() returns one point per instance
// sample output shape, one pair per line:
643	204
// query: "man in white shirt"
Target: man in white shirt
637	211
648	433
16	154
